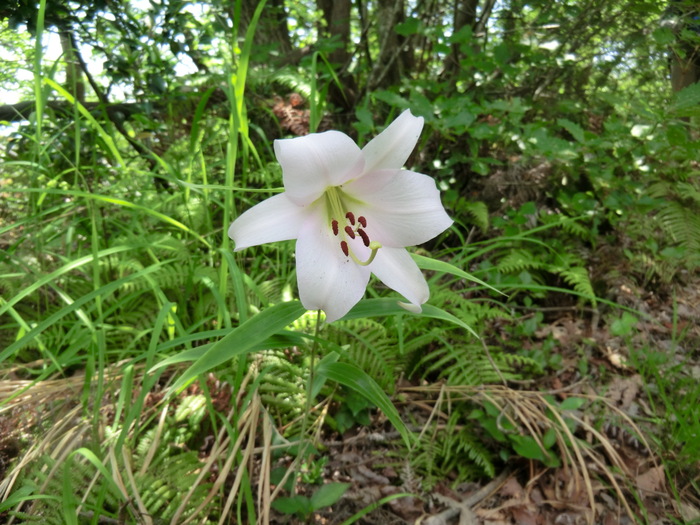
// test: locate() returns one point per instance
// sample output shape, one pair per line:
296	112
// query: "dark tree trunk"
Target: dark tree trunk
394	60
336	15
272	31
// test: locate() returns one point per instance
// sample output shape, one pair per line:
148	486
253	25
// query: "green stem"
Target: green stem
303	443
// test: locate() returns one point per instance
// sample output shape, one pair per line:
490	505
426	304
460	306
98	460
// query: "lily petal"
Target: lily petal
312	163
392	147
402	208
274	219
395	268
327	279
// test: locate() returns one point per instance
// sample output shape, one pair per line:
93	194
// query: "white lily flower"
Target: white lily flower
352	213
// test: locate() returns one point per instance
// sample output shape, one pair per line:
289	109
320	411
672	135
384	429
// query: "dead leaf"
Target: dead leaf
623	390
689	512
512	489
653	480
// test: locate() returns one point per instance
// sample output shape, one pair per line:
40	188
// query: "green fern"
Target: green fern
373	348
468	364
478	211
292	80
579	278
679	212
453	452
517	260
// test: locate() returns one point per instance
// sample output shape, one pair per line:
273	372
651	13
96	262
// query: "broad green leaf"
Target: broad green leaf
408	27
549	438
358	380
299	505
527	447
243	339
572	403
328	494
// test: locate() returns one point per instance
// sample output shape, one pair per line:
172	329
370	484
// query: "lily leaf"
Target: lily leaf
243	339
387	306
358	380
427	263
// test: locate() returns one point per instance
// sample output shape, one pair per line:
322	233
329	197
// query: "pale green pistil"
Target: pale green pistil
339	215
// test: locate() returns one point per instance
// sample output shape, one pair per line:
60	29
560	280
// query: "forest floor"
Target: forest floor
649	481
636	468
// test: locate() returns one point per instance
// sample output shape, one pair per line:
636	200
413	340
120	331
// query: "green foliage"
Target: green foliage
452	449
303	506
160	487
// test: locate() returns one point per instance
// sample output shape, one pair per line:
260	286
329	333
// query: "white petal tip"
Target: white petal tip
413	308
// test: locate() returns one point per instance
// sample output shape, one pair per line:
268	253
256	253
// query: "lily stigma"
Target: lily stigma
352	212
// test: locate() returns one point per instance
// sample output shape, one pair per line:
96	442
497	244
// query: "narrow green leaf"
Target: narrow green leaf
106	137
358	380
369	508
387	306
243	338
119	202
282	339
427	263
103	291
41	281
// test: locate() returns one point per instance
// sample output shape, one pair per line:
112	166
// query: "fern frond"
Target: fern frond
293	81
452	452
682	223
518	260
479	212
463	365
579	278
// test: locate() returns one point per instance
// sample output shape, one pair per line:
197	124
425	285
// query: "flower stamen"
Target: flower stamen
350	232
334	225
365	238
351	217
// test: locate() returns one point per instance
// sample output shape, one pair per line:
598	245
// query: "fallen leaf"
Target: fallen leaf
652	480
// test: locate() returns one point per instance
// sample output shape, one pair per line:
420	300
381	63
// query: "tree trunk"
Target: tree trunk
394	60
272	30
336	15
75	84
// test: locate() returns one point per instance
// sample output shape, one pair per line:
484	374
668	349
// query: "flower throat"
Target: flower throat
353	228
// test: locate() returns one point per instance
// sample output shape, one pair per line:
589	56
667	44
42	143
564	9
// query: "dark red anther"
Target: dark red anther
365	238
350	232
344	247
362	221
334	225
349	216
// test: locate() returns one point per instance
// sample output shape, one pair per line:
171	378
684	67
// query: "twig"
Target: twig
468	502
